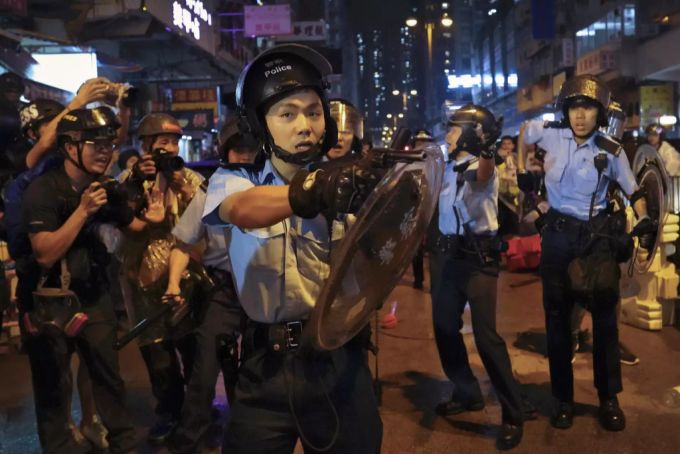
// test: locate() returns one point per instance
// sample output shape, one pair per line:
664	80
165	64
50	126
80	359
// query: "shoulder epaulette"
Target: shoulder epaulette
608	144
554	125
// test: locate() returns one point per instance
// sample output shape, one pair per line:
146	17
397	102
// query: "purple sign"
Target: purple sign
267	20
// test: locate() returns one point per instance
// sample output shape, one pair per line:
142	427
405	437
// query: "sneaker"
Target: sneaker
627	357
96	433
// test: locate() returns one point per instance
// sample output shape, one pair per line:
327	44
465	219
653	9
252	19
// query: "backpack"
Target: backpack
17	237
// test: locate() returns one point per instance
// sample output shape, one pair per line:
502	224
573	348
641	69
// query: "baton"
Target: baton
141	326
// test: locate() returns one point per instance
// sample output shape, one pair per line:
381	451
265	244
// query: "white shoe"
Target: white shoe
96	433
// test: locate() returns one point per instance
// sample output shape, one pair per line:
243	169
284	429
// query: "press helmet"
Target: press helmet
157	123
37	112
274	74
80	125
480	129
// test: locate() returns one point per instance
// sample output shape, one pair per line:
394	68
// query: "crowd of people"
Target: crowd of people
231	267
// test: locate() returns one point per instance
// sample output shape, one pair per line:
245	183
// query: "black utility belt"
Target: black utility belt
277	337
463	244
560	222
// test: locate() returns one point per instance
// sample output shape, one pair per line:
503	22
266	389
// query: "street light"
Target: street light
401	115
411	22
395	92
389	115
414	92
446	20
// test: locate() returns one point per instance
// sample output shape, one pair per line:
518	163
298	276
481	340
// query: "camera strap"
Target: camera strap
64	276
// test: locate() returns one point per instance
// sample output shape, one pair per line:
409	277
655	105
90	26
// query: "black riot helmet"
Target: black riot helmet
480	129
271	76
230	137
37	112
585	90
82	125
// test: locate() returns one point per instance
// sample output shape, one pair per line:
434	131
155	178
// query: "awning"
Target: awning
13	56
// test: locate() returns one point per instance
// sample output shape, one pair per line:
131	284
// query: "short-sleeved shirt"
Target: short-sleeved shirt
278	270
570	174
48	203
463	200
191	230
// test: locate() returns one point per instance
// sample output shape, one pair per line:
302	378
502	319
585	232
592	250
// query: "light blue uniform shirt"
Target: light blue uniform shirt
570	173
191	230
469	201
278	270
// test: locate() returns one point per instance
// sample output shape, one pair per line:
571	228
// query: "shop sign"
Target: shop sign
267	20
19	7
597	62
307	31
194	99
655	102
191	18
195	120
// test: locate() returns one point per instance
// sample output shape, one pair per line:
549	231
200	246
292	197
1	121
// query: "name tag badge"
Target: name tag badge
462	211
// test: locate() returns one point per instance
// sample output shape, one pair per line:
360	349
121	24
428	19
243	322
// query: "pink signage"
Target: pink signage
267	20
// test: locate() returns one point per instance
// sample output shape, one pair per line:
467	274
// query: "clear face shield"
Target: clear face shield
347	118
616	119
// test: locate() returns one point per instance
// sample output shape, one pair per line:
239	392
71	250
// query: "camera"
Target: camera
130	94
118	198
116	193
166	162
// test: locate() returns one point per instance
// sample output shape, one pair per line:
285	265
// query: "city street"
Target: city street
413	383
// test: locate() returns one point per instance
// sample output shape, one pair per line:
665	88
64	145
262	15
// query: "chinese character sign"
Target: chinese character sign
192	18
267	20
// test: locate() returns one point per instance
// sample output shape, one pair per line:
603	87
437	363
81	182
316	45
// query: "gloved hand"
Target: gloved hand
645	230
525	182
341	189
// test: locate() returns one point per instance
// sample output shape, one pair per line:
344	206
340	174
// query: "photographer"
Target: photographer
146	255
43	129
60	212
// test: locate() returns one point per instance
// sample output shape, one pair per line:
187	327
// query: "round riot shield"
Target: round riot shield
652	178
376	251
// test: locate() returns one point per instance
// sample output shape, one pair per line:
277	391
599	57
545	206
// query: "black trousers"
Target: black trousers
558	248
166	375
456	281
50	359
281	397
220	327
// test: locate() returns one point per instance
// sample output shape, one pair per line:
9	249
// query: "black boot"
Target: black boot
510	436
611	416
455	406
563	417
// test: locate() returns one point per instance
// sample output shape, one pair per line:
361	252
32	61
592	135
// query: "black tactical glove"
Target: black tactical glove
646	230
525	182
335	190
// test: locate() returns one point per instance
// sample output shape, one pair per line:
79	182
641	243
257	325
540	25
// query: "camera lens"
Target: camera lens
130	96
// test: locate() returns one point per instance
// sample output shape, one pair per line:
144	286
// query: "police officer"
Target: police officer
350	130
146	257
221	317
464	269
421	139
60	207
279	252
577	173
